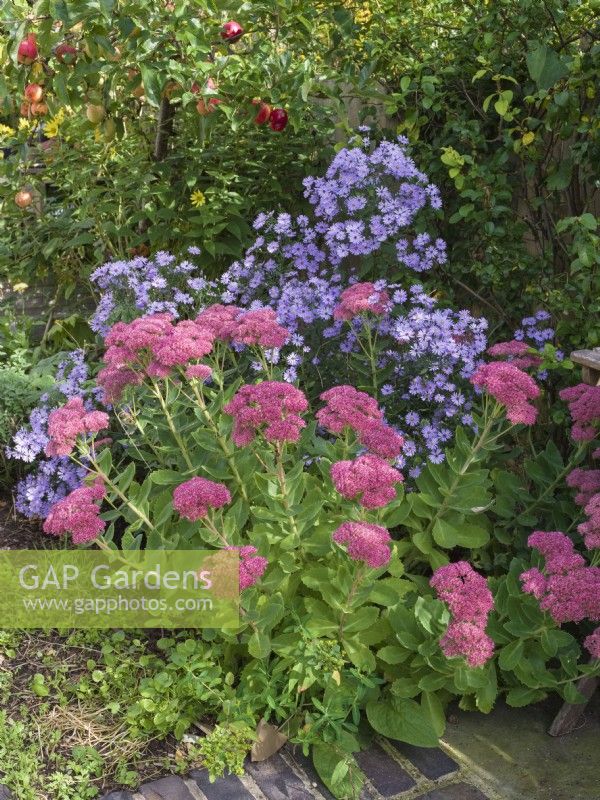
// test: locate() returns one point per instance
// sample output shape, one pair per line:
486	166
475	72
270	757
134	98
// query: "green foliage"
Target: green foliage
500	102
324	642
22	757
225	748
147	67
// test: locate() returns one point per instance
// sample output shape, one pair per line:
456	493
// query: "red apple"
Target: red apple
232	31
27	52
278	119
66	53
24	198
263	115
24	110
34	92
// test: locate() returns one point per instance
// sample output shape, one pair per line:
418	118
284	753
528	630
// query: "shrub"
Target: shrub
499	101
161	91
331	620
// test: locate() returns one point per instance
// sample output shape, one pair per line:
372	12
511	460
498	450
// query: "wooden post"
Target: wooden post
569	716
589	361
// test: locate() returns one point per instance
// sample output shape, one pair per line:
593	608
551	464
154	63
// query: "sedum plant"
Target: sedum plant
339	621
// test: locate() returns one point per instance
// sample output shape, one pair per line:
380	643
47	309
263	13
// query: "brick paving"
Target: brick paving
393	771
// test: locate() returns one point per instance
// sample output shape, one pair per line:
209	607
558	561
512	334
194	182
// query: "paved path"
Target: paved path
393	771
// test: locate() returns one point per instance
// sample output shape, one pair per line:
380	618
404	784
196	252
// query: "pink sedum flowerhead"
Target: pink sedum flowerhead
470	601
346	407
184	342
568	589
77	514
271	408
464	591
152	346
361	298
368	478
592	644
195	497
587	481
590	529
198	372
558	551
534	582
584	407
252	566
260	328
381	439
221	321
68	422
468	640
512	348
366	542
511	387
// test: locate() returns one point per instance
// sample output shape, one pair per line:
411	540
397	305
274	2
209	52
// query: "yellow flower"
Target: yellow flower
24	124
197	199
52	126
20	287
5	131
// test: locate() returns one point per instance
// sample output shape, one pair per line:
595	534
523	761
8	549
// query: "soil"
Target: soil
18	533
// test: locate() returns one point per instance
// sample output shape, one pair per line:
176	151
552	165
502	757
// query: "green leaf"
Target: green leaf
402	719
544	65
343	783
562	175
166	477
259	645
392	654
522	696
152	84
511	655
432	706
461	535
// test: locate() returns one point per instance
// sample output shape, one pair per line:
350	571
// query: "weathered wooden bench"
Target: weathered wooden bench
569	716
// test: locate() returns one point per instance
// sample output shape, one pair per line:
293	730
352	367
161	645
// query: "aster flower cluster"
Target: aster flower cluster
157	285
523	351
346	408
363	205
272	408
535	330
567	588
511	387
470	601
193	499
78	514
52	477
